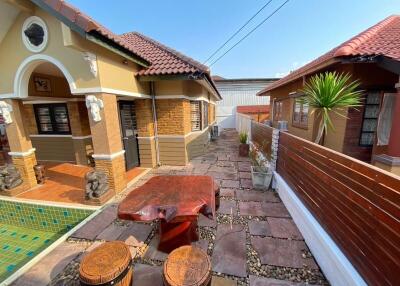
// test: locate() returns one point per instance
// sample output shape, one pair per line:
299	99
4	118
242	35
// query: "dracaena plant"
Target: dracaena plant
328	93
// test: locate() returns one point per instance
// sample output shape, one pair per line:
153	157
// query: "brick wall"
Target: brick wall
25	166
78	118
144	117
171	116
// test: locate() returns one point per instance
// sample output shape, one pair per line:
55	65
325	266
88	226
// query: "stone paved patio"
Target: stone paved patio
253	240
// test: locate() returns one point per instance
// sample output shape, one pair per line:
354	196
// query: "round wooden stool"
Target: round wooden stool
107	264
187	265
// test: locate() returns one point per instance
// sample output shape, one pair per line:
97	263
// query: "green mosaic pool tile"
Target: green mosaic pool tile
45	218
18	245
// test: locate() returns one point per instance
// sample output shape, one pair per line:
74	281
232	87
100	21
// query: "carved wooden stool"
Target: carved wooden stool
187	265
107	264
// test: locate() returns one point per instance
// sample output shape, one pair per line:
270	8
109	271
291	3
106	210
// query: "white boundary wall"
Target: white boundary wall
334	264
243	124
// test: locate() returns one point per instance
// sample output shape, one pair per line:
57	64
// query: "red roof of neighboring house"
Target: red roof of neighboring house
380	39
162	60
253	109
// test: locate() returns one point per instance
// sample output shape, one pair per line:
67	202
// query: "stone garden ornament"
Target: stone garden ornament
5	111
94	104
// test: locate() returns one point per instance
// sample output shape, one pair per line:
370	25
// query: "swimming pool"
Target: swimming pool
26	229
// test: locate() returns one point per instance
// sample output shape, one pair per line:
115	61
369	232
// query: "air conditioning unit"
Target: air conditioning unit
214	132
283	125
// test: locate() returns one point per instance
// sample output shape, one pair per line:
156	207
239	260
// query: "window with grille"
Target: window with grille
370	119
205	114
300	113
278	110
195	114
52	118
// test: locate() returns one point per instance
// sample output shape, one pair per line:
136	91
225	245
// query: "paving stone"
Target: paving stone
223	192
112	232
96	225
227	207
245	175
246	183
202	244
257	196
262	281
260	228
229	255
275	210
230	184
51	265
140	231
284	228
222	281
205	221
223	163
152	252
244	166
146	275
251	209
222	175
216	168
282	252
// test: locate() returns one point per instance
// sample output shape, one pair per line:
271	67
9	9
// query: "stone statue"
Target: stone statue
94	105
96	184
9	177
5	111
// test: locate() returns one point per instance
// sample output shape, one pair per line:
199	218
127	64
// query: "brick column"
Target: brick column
107	144
21	151
80	130
145	126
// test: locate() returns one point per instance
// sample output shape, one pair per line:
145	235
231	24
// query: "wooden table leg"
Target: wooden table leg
176	234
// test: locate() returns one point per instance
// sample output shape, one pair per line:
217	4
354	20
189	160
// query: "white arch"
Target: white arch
26	68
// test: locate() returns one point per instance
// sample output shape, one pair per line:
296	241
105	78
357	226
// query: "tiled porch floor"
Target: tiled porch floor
65	183
257	245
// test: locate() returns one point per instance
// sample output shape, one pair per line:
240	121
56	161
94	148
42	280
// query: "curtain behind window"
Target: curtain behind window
385	119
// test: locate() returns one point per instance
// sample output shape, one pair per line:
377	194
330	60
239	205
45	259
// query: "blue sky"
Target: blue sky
299	32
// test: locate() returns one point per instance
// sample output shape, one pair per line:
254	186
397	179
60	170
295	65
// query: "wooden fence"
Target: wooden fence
356	203
261	136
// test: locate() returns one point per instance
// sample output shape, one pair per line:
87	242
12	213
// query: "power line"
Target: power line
237	32
248	34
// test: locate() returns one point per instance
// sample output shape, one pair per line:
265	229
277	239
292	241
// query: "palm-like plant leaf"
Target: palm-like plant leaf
331	92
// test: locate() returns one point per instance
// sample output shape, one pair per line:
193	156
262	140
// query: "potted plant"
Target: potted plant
261	174
243	147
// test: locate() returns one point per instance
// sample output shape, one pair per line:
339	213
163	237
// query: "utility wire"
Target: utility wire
249	33
237	32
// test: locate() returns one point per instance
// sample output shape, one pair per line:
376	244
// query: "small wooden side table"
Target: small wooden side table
187	265
107	264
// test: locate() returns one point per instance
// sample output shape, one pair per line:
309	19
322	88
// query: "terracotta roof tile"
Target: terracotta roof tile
163	59
380	39
253	109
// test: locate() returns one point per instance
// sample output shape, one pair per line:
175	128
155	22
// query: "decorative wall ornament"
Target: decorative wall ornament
94	105
5	111
10	177
92	60
34	34
42	84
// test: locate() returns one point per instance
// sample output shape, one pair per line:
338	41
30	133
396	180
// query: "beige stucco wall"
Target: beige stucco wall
67	46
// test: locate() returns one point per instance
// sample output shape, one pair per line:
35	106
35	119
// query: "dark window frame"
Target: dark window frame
300	123
368	118
53	123
200	115
278	106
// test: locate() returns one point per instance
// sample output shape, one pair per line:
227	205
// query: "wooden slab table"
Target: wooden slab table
176	201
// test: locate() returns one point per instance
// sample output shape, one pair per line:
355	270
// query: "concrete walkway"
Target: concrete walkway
253	240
